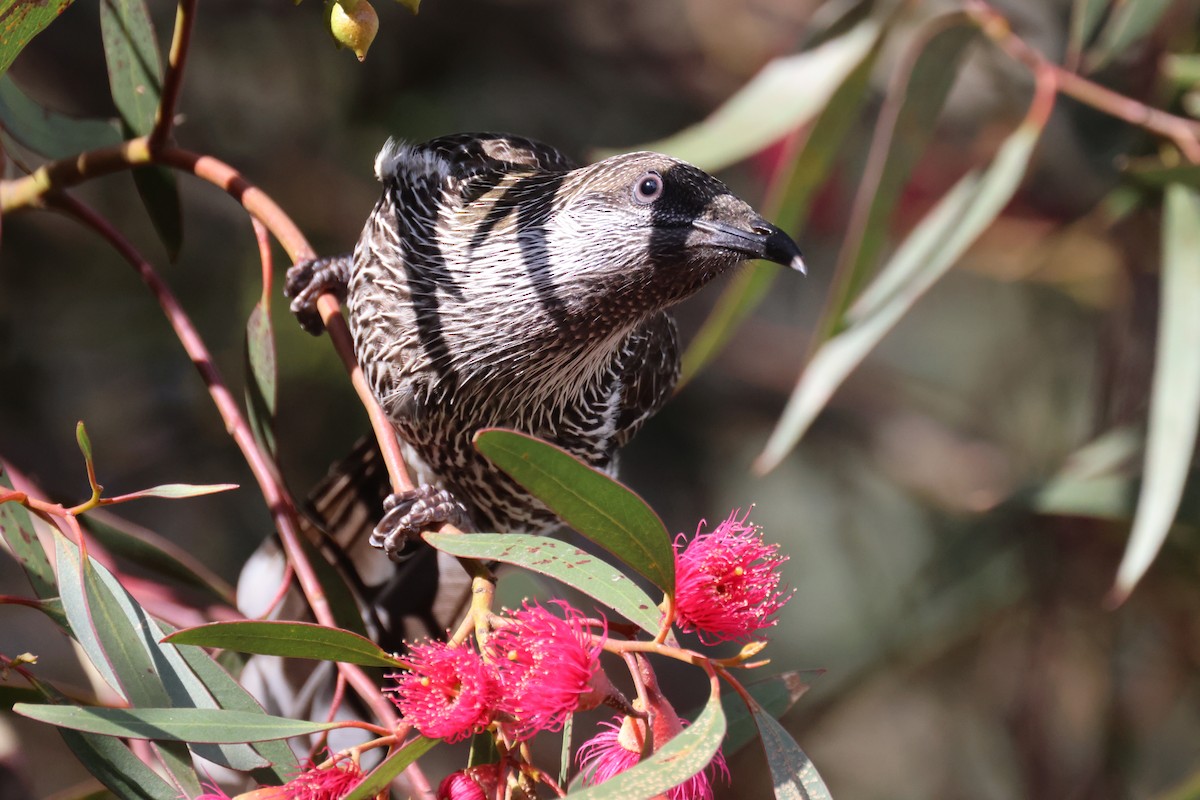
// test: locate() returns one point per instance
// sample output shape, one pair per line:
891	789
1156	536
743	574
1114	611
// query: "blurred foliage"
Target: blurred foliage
996	343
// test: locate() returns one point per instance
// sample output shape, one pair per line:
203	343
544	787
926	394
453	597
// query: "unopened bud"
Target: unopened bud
354	25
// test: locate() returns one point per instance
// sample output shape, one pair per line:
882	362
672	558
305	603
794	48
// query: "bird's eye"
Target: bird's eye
648	188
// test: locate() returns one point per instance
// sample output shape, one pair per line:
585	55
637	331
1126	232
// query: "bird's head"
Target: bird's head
658	228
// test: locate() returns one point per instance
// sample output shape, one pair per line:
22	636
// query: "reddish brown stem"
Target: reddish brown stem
279	502
1183	132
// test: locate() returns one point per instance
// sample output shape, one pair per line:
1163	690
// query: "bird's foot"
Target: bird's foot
308	280
407	514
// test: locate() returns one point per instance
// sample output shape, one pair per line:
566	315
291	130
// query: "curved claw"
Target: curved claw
308	280
407	514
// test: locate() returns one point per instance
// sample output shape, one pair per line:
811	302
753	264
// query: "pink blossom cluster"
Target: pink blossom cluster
535	670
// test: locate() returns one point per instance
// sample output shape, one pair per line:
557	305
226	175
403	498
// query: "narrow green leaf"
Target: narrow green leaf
152	552
786	94
134	62
151	674
113	764
679	759
289	639
261	376
110	760
1175	391
1129	22
135	78
175	491
791	195
210	725
160	195
793	773
393	765
22	20
589	501
561	561
906	126
120	624
16	527
1085	19
930	250
75	606
229	694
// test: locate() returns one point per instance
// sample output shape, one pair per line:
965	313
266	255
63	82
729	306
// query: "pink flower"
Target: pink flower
473	783
616	748
449	693
323	783
619	747
727	582
549	667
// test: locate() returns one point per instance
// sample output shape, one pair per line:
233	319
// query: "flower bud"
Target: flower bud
354	25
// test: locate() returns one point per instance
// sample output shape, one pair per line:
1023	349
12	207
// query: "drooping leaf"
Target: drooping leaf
785	95
906	126
560	561
20	21
134	62
135	78
679	759
586	499
793	774
213	726
160	195
17	529
793	190
288	639
937	242
261	380
775	695
1175	390
379	778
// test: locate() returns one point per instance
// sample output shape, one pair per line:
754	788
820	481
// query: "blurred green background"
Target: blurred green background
966	645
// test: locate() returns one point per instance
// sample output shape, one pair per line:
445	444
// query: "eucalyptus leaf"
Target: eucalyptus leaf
589	501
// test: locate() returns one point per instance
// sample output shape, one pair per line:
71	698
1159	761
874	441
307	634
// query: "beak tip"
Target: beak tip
797	264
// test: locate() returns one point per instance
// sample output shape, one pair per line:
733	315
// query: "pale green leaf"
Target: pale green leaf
1175	389
930	250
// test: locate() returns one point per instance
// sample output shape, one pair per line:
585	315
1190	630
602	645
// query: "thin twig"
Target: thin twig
278	501
1183	132
185	17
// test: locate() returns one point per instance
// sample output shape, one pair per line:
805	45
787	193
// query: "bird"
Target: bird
498	284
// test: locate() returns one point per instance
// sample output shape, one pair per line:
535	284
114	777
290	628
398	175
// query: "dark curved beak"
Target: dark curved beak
760	240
